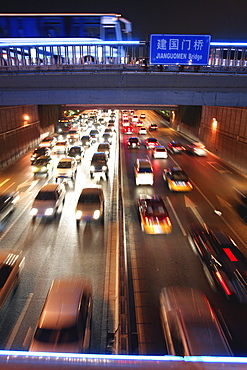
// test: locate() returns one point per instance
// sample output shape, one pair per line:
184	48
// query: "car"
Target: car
143	172
73	135
151	142
8	202
94	135
133	143
108	130
90	205
99	166
48	201
66	169
196	148
43	165
38	152
48	142
61	147
139	124
106	138
154	215
142	131
11	265
76	152
143	116
104	147
175	147
190	324
160	152
86	141
177	179
64	324
153	127
240	205
224	265
111	125
128	130
134	118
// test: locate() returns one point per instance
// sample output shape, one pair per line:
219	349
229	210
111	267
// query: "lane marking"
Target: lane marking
4	182
176	216
192	206
18	323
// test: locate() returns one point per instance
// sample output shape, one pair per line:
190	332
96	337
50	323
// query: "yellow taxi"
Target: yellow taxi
154	215
177	179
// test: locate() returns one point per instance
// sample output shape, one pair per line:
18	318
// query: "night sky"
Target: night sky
222	19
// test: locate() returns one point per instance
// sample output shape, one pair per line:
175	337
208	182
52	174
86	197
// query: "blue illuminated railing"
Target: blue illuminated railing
50	54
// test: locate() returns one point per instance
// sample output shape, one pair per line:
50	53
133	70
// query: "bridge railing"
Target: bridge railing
111	55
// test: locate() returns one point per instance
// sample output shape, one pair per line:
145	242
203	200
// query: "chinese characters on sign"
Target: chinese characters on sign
179	49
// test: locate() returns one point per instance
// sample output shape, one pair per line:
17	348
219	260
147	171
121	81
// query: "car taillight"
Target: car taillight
223	283
189	184
168	221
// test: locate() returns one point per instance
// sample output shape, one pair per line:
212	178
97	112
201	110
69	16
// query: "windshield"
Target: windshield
89	198
57	336
64	165
179	176
46	195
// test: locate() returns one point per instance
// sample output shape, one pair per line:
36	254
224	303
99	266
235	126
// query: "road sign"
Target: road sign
179	49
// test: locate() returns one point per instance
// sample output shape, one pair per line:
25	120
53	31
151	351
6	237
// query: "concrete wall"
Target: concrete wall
224	132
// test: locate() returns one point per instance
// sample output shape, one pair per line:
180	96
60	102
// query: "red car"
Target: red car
151	142
128	130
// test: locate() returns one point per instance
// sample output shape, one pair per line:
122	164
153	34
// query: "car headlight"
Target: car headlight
78	156
34	169
96	214
78	215
92	168
33	211
43	168
104	168
49	211
69	173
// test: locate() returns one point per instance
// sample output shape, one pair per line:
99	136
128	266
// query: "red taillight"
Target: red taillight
230	255
168	221
223	283
189	184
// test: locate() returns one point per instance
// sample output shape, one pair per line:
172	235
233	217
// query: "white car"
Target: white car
160	152
48	200
196	148
73	134
66	168
142	131
90	205
61	147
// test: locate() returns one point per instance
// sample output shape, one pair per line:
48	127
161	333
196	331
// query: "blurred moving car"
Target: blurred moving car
143	116
151	142
175	147
143	172
43	165
154	215
177	179
8	203
76	152
104	147
66	169
48	201
133	143
90	205
11	265
196	148
142	131
153	127
86	141
160	152
223	263
99	166
61	147
38	152
128	130
241	203
65	321
190	324
48	142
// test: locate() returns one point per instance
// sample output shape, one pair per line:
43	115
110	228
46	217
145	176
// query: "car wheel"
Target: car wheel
193	247
209	278
33	218
77	223
169	187
91	175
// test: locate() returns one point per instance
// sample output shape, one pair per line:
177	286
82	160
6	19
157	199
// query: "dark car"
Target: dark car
99	165
175	147
153	127
7	204
94	135
104	147
107	138
77	152
133	143
86	141
38	152
224	264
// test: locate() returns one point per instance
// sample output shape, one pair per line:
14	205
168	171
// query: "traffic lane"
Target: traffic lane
45	235
182	267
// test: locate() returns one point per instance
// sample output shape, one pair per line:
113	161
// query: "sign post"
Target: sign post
179	49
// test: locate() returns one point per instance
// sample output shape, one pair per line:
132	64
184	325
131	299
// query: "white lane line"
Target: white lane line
9	186
18	323
4	182
176	216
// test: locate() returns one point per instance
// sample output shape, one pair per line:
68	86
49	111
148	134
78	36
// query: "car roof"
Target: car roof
49	187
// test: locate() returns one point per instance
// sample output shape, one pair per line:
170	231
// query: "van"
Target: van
143	172
11	265
190	325
65	321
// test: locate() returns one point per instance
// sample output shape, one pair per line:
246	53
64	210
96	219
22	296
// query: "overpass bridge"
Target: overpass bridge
94	74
